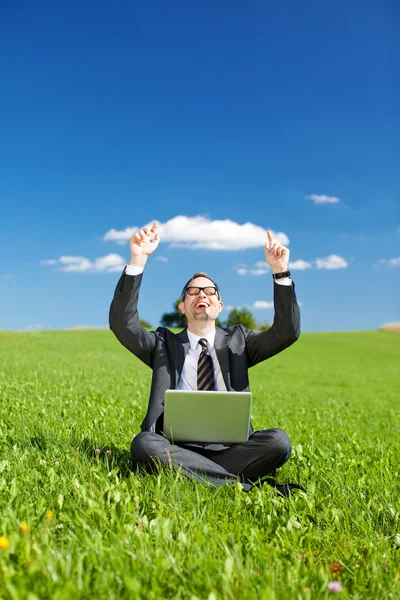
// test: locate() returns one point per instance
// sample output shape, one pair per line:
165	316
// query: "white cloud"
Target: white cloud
262	304
51	261
75	263
331	262
299	265
163	259
392	262
259	268
322	199
257	272
108	263
230	307
257	305
120	237
202	233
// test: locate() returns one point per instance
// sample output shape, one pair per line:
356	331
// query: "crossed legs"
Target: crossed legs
265	451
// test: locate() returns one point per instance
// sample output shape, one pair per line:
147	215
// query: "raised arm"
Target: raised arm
124	317
286	326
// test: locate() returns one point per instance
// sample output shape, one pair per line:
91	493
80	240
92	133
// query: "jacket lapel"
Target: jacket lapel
181	348
222	352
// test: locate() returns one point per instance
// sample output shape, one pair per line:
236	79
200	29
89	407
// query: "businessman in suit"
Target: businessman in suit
230	352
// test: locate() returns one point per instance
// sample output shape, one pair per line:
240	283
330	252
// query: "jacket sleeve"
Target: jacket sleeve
124	319
284	331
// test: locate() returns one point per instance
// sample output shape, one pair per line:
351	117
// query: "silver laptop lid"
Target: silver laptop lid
210	417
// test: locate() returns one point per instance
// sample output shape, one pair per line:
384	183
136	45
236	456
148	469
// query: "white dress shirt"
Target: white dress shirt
188	378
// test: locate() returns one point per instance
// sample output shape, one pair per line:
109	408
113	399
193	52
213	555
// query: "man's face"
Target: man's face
201	307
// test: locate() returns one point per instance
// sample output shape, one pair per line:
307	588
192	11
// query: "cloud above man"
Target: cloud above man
80	264
201	232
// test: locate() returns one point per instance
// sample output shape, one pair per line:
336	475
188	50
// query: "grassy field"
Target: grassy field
77	524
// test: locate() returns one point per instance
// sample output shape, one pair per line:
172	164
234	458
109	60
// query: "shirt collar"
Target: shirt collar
194	339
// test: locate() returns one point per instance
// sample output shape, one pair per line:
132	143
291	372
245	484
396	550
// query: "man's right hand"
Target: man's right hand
142	244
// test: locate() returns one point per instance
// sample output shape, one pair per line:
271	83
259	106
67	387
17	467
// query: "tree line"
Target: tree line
237	316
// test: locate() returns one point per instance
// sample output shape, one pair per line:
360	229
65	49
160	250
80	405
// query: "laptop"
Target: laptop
211	417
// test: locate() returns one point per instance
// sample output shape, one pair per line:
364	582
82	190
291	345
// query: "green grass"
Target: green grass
115	534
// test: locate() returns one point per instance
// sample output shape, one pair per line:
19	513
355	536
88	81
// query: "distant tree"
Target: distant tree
264	326
174	318
145	324
241	317
218	322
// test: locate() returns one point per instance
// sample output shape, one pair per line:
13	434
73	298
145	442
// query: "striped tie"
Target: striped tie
205	369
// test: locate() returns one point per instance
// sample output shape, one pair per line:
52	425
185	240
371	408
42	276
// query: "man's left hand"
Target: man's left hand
276	255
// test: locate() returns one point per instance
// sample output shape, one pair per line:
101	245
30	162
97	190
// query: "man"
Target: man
174	359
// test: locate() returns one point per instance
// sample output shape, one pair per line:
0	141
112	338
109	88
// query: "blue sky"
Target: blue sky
279	115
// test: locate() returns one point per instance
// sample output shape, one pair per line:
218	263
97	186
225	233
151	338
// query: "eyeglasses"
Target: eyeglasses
194	290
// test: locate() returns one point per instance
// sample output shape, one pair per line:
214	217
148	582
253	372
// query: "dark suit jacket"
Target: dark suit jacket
237	348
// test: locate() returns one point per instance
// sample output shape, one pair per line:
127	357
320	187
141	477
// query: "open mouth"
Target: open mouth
202	305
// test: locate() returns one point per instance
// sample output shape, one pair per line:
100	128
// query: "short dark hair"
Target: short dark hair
200	274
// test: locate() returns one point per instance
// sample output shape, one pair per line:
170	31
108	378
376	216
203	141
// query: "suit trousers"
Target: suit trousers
260	455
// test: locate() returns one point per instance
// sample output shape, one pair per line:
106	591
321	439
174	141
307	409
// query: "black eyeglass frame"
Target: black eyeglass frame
197	287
